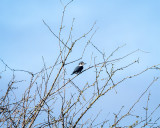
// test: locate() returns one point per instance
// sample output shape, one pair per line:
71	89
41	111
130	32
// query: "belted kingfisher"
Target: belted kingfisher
79	68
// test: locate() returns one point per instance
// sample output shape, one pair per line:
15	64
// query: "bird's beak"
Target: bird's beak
85	63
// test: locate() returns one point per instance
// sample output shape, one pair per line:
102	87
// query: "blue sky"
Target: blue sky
24	39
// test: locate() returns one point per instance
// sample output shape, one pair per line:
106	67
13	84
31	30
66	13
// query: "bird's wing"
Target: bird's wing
77	69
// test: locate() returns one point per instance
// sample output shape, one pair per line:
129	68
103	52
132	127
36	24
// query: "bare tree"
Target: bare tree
48	99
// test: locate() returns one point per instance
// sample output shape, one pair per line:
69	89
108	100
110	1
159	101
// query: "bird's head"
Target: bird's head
81	63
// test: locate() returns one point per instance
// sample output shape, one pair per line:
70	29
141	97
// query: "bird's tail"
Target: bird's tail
73	73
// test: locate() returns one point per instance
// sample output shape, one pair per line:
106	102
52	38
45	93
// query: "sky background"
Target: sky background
24	39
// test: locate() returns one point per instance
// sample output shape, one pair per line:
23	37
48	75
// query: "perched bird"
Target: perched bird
79	68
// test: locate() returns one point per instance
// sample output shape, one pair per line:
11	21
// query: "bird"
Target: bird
79	68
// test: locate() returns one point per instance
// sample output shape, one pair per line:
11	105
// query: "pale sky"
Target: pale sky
24	39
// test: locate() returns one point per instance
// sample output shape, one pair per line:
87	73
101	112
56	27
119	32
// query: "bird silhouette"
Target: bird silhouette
79	68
